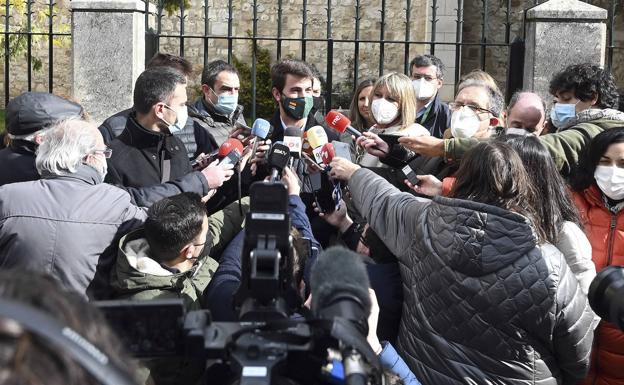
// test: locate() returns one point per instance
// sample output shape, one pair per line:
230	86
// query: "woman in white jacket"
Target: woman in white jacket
558	214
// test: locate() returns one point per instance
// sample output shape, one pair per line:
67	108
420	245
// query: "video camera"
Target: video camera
606	295
267	346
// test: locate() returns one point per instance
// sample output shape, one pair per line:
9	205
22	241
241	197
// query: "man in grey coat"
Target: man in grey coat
484	303
67	223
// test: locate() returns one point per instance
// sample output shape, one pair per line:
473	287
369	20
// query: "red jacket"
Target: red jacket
605	231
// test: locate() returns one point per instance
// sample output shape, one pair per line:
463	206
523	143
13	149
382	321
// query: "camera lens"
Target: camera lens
606	295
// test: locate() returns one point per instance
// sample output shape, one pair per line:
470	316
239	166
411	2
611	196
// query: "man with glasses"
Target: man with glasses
67	223
476	111
427	73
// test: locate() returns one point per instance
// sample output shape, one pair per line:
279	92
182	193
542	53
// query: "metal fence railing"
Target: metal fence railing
17	40
307	35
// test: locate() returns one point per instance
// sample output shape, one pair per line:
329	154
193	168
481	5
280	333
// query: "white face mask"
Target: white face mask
518	131
464	123
424	89
384	111
610	180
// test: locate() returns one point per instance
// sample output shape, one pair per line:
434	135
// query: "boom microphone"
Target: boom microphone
339	284
340	289
341	123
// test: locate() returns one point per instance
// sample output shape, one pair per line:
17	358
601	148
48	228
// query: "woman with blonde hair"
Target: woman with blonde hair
393	109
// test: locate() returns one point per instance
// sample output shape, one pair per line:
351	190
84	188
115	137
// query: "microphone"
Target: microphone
341	123
317	137
292	139
261	129
340	289
231	151
278	159
327	153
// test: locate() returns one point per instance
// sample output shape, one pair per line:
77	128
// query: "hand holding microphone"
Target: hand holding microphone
219	172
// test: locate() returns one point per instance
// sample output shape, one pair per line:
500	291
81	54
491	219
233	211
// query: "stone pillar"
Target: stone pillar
108	53
560	33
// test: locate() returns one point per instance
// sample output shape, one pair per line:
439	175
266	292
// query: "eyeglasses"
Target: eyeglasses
426	77
107	152
477	110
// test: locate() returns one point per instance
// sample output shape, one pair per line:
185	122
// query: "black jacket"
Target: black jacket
17	162
483	303
438	119
141	157
196	138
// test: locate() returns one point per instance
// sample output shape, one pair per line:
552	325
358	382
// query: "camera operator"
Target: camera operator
226	280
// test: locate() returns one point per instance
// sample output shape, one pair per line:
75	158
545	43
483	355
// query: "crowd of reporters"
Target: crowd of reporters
480	226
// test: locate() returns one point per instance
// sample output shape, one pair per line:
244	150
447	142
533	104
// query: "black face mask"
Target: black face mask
319	104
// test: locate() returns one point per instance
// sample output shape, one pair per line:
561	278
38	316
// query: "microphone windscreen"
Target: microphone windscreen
230	145
337	121
261	128
279	156
317	136
292	139
327	153
339	271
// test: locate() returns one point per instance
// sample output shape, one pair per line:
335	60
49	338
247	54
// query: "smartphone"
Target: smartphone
390	139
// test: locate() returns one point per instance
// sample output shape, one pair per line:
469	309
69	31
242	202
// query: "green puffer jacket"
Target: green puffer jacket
565	146
138	277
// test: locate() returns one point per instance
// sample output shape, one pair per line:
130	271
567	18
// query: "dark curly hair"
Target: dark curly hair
587	81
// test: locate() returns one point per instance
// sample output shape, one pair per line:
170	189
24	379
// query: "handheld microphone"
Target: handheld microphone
231	151
340	290
261	129
327	153
292	139
341	123
278	159
317	138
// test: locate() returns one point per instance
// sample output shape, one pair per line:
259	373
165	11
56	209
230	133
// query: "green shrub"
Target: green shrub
265	104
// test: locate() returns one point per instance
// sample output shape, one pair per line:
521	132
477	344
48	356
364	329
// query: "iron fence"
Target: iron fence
13	37
154	26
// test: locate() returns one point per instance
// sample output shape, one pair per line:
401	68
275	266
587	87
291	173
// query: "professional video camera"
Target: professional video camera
606	295
267	346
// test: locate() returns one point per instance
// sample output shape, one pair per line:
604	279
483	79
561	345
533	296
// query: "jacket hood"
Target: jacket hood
475	238
32	111
135	270
593	114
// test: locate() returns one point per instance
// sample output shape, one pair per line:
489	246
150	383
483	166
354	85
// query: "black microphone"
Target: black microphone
278	159
340	289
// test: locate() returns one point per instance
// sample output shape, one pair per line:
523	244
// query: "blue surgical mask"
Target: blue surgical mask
181	118
226	104
562	113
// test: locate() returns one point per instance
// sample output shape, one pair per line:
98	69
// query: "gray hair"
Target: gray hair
496	102
65	146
